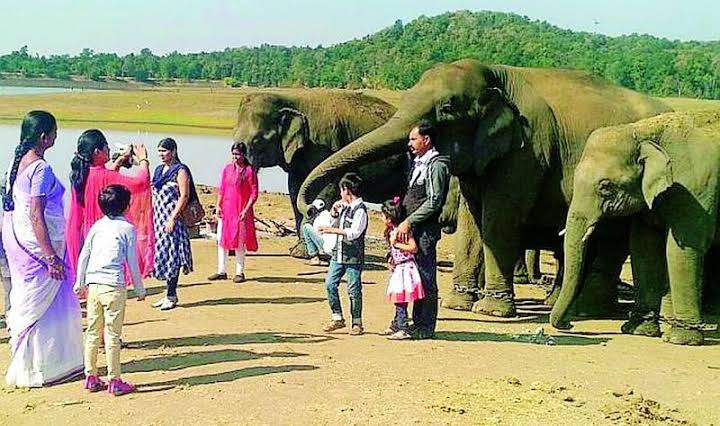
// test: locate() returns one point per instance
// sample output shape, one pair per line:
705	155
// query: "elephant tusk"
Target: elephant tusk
561	233
589	232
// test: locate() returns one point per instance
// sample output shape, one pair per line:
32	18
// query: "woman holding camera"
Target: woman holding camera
91	173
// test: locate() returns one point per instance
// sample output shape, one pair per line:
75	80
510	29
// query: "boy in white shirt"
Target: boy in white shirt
109	245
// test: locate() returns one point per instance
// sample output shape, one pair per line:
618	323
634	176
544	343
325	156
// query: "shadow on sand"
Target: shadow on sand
528	310
230	339
253	300
228	376
151	291
194	359
560	340
300	279
285	280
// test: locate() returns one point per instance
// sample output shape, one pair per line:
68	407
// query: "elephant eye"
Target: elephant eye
606	188
446	108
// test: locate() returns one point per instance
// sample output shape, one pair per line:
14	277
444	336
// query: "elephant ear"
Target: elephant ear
294	131
657	171
500	130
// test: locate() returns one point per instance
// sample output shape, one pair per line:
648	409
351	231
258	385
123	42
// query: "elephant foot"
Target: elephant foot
562	325
458	301
521	279
683	336
643	327
496	307
299	251
552	297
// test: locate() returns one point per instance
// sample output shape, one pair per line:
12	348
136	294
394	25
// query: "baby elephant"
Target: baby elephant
664	172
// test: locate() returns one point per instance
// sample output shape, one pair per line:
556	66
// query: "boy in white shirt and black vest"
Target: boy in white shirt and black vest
349	254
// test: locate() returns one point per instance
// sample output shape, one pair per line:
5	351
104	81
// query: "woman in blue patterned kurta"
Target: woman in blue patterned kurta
171	186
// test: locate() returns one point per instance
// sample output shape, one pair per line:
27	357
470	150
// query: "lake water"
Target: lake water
12	90
205	155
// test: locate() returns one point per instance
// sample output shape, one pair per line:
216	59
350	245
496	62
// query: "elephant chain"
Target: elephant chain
686	325
498	294
461	289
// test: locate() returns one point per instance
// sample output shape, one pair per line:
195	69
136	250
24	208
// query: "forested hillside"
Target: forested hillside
395	57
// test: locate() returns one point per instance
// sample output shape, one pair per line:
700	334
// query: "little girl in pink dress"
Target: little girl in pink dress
405	285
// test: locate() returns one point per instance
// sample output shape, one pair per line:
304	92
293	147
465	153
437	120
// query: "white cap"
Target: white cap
318	204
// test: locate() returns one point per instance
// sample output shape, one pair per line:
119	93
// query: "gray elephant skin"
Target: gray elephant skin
664	172
514	136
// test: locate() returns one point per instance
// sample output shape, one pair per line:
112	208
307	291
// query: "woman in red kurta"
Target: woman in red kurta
89	177
236	222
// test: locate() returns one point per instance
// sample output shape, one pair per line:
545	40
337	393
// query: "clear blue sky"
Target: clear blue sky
123	26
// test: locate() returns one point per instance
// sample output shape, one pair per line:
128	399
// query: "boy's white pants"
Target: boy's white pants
224	254
105	306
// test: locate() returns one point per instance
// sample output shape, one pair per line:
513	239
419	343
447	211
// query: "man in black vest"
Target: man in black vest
424	200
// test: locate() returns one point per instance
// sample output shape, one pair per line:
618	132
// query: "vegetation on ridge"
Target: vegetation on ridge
396	56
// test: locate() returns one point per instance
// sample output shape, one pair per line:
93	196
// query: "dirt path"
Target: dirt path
254	354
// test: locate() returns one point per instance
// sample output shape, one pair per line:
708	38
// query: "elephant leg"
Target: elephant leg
598	296
532	262
649	271
468	276
520	273
554	293
711	289
501	251
685	270
666	311
498	296
294	181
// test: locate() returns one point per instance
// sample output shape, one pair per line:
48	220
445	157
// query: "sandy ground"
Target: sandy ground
254	353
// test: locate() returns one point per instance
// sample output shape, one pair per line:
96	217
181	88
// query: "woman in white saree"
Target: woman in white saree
44	318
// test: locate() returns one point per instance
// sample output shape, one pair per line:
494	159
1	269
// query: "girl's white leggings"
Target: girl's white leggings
224	254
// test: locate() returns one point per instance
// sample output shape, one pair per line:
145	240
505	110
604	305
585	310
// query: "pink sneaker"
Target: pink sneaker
94	384
118	387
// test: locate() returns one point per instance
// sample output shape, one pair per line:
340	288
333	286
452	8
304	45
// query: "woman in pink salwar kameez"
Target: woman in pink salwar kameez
236	221
89	177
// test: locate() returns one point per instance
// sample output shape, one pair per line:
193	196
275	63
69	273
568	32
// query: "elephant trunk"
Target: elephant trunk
383	142
577	232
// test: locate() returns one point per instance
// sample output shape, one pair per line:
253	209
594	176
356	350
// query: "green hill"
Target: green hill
395	57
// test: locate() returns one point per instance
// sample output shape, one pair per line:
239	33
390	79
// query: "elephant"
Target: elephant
664	173
297	131
513	136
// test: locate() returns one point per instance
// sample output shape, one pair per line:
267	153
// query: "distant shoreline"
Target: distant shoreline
119	84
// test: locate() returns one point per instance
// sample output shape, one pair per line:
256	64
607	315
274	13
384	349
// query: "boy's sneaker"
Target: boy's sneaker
93	383
334	325
239	279
356	330
118	387
400	335
218	276
169	303
159	303
388	331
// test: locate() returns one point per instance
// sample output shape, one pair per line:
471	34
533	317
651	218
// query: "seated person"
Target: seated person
317	244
